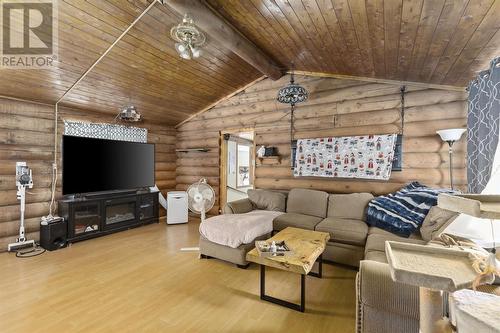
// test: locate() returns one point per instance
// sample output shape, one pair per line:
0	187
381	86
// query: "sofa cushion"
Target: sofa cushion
375	230
308	202
435	222
348	231
346	254
348	206
376	242
267	200
295	220
238	207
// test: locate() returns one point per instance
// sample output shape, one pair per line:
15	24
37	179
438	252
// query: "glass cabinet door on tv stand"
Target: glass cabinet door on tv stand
86	217
119	212
147	208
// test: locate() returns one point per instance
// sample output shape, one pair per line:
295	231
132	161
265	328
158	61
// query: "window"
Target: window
244	165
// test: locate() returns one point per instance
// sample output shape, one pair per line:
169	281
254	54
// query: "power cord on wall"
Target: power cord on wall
53	188
49	217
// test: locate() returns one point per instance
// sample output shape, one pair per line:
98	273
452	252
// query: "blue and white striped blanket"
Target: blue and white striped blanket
403	212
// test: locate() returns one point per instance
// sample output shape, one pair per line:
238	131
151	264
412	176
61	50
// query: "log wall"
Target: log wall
335	107
26	134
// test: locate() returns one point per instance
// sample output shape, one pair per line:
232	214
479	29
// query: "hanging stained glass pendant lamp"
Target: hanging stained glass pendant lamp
292	93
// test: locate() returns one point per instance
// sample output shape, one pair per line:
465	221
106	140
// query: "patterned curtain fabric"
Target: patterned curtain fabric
368	157
105	131
482	126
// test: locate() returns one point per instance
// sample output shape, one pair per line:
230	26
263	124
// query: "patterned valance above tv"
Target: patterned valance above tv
105	131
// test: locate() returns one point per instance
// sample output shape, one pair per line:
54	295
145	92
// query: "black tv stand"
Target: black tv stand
104	213
93	195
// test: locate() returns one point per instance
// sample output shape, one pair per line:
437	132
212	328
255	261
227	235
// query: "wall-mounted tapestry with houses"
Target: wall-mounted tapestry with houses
368	156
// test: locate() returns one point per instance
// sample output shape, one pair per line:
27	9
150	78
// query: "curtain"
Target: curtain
105	131
476	229
482	126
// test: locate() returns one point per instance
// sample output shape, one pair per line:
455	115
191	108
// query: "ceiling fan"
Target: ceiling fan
189	38
129	113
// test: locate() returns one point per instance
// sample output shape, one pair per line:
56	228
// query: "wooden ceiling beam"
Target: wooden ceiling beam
226	35
379	80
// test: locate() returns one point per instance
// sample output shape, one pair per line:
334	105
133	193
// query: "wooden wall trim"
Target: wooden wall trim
371	79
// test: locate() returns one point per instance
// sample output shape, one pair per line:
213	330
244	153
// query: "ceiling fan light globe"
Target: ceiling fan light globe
185	55
196	52
179	47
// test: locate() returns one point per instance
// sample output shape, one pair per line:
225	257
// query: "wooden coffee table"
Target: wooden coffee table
306	247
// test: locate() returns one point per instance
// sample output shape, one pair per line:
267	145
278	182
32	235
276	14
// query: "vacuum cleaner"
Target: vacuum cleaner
24	179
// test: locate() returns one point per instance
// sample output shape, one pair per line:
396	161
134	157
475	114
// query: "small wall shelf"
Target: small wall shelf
187	150
269	160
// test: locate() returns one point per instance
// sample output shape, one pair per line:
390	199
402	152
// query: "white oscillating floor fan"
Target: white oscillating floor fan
201	198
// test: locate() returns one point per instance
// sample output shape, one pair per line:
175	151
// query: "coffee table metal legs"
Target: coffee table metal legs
319	274
298	307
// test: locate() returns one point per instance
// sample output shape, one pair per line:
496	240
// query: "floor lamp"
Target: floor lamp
451	136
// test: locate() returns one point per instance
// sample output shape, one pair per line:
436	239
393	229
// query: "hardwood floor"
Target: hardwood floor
139	281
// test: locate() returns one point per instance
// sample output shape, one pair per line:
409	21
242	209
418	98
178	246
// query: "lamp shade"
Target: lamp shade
180	47
453	134
292	94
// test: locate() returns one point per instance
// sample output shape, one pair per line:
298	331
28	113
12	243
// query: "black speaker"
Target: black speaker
271	151
54	235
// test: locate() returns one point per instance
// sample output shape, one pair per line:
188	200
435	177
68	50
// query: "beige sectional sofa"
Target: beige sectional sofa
341	215
382	305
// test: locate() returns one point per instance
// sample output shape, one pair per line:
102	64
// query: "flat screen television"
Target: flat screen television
97	165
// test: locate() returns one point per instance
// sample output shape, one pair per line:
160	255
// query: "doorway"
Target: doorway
237	165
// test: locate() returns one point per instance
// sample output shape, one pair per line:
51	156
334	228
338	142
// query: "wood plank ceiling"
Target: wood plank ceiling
142	69
431	41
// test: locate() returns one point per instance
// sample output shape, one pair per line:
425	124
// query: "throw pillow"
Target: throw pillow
435	222
267	200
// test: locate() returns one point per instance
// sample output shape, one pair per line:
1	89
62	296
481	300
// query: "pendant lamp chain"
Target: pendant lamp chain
292	94
403	90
